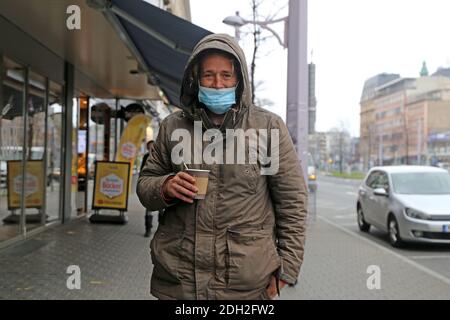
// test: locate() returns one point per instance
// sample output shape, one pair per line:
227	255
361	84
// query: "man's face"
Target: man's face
217	72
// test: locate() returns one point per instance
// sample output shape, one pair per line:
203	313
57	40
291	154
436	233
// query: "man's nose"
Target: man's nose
218	83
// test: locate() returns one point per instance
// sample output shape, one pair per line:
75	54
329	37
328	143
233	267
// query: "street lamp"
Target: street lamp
237	21
295	39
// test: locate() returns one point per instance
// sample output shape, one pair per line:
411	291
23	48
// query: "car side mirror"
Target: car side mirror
381	192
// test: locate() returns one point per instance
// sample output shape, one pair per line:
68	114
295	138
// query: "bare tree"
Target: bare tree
257	40
261	101
340	144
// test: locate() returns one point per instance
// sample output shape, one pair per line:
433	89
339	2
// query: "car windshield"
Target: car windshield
421	183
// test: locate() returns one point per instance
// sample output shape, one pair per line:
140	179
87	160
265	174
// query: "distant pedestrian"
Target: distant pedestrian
148	213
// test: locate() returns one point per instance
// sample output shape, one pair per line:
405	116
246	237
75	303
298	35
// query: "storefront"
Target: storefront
31	147
62	90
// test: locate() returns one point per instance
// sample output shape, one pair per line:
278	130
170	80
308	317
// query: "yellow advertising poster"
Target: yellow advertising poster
110	185
132	138
34	184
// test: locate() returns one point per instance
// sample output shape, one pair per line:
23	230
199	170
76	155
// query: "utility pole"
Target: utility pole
297	82
296	32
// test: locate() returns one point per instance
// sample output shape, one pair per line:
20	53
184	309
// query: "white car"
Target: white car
411	203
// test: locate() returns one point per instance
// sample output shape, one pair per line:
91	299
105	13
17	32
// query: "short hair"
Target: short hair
216	52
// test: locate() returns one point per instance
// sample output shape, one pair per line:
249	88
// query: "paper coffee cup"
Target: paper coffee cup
201	181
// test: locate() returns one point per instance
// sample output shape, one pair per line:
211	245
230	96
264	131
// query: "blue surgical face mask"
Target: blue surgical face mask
218	101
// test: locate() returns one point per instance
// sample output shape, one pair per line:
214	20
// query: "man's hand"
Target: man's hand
271	289
180	186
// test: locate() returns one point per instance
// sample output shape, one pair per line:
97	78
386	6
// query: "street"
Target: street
338	255
337	201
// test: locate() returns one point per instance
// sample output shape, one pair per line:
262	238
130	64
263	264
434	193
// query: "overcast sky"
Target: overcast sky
350	41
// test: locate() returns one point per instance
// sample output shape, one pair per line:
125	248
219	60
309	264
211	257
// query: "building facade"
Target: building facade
57	62
398	116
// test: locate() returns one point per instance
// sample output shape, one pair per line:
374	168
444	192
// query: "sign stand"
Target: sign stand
111	185
108	218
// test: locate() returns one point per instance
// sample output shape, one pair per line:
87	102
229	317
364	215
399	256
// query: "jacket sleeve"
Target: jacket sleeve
144	160
289	196
156	170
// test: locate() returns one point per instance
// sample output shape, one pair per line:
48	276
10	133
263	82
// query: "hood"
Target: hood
436	204
189	87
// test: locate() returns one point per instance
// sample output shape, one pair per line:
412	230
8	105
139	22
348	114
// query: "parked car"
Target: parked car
411	203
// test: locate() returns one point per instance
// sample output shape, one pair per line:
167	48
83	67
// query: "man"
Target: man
245	240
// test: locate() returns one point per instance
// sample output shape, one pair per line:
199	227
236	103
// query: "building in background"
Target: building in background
399	114
367	116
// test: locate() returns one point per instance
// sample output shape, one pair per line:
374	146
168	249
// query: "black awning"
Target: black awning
148	27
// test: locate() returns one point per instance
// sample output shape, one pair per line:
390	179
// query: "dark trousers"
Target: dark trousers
149	219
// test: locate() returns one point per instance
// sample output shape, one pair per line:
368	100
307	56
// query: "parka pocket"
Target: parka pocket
164	250
251	174
251	259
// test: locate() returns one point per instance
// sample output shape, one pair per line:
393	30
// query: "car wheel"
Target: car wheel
362	224
394	233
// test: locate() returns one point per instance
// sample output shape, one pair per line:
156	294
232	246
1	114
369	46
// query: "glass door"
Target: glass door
54	152
11	147
30	150
35	156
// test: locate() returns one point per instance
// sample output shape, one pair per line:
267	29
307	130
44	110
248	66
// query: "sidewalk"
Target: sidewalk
115	264
114	261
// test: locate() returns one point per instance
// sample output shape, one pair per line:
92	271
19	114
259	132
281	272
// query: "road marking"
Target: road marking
351	193
345	216
428	257
403	258
326	205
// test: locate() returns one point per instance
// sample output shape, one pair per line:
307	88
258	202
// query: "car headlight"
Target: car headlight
415	214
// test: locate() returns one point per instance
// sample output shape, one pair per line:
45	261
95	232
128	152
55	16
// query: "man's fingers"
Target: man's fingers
270	293
184	191
186	184
272	288
182	197
186	176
